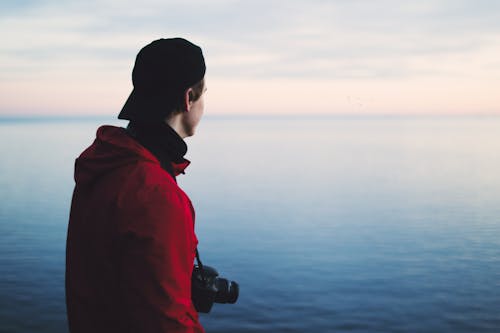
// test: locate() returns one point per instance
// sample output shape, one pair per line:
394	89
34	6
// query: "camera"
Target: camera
207	288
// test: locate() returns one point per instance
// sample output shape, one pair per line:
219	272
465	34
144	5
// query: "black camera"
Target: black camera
207	288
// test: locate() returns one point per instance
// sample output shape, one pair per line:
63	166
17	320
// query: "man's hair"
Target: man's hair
179	104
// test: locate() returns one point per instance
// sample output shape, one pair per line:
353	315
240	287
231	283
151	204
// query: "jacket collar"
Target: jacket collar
163	142
179	168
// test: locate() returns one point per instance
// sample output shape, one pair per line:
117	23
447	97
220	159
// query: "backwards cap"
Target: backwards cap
163	71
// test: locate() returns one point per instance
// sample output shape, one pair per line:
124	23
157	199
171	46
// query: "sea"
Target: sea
327	223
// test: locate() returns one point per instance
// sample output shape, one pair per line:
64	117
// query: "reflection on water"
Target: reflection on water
328	224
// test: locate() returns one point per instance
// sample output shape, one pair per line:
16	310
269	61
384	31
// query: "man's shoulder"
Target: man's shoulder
147	181
148	197
149	174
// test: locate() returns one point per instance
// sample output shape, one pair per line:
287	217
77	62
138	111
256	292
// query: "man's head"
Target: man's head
168	78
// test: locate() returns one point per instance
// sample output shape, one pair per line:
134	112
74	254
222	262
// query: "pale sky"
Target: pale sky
263	57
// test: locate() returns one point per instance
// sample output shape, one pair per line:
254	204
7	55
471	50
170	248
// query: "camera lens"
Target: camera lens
227	291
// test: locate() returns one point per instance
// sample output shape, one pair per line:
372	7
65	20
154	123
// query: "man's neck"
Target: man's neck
175	121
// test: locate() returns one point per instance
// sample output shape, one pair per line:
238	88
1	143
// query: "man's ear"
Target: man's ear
188	99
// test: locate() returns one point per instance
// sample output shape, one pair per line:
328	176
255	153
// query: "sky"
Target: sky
263	57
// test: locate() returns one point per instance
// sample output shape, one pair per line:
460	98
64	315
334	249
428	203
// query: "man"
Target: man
131	241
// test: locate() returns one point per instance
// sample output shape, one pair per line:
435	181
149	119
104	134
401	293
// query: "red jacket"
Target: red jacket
131	242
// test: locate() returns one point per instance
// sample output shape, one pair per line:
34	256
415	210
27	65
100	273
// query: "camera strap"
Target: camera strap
200	265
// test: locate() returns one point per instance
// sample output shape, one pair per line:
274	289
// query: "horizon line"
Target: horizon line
57	117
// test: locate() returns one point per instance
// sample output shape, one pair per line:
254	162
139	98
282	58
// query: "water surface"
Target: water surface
329	224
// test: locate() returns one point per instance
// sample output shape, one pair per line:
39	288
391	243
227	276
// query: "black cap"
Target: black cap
162	72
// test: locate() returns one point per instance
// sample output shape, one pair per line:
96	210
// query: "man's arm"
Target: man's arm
157	252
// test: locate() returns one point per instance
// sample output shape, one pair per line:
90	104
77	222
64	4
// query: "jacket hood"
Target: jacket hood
113	148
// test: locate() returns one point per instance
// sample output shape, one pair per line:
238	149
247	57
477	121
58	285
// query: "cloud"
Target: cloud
49	41
296	37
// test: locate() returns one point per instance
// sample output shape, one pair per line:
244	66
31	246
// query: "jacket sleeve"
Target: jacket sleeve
157	249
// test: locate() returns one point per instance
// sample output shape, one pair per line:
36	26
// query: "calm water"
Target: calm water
329	224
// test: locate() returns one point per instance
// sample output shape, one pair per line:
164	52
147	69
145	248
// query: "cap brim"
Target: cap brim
144	107
130	109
